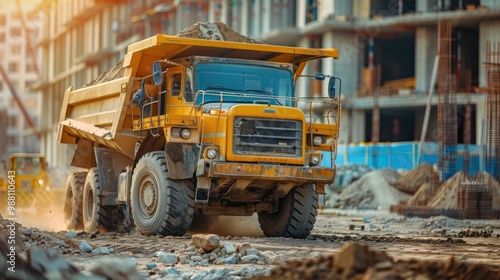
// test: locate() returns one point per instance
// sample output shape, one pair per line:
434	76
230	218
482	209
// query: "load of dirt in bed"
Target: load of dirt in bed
200	30
358	261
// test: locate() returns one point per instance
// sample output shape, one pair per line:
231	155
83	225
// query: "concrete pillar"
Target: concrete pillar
425	53
256	20
492	4
343	8
302	85
348	66
245	5
327	64
480	121
425	6
301	13
266	8
355	127
488	32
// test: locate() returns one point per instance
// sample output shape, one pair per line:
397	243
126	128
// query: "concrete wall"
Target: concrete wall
492	4
348	66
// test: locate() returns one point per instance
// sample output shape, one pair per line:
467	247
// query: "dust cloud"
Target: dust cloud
45	214
227	225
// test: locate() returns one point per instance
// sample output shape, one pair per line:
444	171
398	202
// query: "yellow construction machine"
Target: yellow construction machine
27	180
202	127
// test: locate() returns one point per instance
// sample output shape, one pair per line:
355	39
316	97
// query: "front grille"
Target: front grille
267	137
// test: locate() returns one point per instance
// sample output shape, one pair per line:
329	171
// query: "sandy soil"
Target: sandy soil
401	238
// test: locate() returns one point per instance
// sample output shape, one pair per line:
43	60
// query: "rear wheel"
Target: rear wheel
73	200
96	216
160	205
296	214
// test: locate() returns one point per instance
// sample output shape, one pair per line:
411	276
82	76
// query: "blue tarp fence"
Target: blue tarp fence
404	155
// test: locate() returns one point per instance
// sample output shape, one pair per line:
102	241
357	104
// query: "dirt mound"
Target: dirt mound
446	195
200	30
374	189
424	194
358	261
411	182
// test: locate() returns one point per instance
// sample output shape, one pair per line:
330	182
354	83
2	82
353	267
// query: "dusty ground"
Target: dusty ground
401	238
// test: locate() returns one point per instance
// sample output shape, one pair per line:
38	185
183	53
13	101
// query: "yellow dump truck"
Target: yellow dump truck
201	127
27	180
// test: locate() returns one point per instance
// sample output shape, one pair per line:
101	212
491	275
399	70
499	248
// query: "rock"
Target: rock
131	261
233	259
85	247
116	268
251	251
71	234
93	235
150	265
266	255
229	248
250	259
101	251
277	260
352	256
168	258
182	259
196	258
367	219
243	248
47	260
172	271
35	235
206	241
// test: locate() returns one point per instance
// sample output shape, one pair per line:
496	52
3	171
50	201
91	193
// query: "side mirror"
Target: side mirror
331	87
319	76
157	73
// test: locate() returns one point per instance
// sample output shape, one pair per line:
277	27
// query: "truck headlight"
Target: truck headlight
185	133
317	140
211	153
40	182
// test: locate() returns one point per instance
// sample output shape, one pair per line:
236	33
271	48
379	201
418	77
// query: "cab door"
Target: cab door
175	88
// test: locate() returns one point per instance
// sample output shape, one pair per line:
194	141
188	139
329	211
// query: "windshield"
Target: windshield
243	83
28	165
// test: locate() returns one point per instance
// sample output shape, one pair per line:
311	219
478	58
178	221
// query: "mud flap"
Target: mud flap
181	160
202	190
109	165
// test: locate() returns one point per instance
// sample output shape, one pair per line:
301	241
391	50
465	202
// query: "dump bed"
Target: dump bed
101	113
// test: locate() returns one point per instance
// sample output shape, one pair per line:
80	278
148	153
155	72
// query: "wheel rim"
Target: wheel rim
148	198
90	204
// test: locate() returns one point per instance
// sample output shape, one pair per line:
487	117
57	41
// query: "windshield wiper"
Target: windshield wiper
260	91
220	87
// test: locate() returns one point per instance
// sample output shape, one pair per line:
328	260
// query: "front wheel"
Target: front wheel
160	205
296	214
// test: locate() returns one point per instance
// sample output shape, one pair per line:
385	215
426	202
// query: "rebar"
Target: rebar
492	156
447	105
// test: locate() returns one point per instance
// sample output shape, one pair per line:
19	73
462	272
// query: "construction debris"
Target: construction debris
358	261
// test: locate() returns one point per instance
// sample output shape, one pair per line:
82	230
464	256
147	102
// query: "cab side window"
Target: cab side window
175	84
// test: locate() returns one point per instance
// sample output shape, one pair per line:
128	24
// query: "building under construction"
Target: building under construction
388	49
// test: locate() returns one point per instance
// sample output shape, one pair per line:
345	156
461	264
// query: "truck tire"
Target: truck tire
73	200
95	215
159	204
296	214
